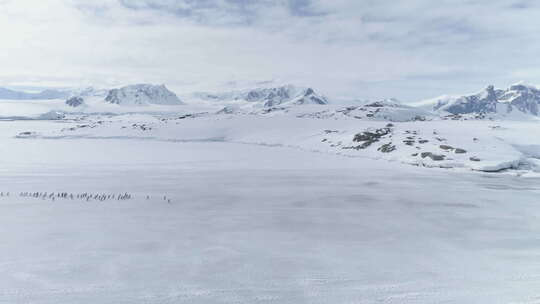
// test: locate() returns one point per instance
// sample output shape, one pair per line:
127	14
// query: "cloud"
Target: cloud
369	49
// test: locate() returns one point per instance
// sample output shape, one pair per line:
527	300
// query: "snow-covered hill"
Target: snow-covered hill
518	99
382	110
376	131
142	94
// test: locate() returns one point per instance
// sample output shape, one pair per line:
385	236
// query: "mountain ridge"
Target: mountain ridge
267	96
520	97
47	94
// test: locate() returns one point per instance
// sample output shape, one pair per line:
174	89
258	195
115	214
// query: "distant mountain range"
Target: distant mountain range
139	94
145	94
519	98
268	97
20	95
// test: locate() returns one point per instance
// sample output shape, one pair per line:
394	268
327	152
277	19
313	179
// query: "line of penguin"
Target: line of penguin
86	196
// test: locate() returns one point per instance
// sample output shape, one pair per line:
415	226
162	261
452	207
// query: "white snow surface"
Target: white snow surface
480	145
275	205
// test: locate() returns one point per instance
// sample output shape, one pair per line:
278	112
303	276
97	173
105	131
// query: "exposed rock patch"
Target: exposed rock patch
75	101
387	148
434	157
367	138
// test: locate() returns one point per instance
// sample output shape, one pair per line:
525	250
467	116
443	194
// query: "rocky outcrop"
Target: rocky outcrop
75	101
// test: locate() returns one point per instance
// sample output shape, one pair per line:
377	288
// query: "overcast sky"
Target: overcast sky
409	49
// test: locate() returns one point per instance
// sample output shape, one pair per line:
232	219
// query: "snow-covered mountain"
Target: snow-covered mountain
518	98
20	95
89	92
79	96
268	97
286	95
142	94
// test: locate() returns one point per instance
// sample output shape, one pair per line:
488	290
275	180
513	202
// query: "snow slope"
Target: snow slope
254	224
365	132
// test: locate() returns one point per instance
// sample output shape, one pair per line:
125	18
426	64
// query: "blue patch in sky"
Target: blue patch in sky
241	8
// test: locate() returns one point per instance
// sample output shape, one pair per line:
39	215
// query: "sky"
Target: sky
364	49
